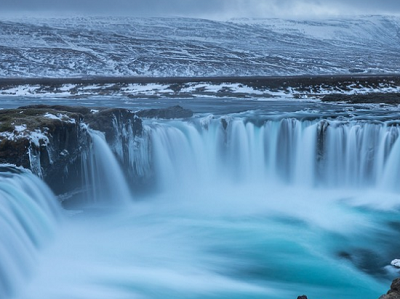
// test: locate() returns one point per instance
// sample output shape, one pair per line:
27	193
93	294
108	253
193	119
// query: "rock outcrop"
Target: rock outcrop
394	292
371	98
50	140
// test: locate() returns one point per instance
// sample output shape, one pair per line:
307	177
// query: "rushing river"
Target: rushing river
247	199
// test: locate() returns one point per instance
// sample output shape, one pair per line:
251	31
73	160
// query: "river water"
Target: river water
247	199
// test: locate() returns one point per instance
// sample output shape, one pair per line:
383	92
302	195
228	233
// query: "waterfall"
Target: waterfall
103	176
240	207
29	215
311	153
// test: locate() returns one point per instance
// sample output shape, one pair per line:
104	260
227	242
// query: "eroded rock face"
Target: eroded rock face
372	98
394	292
50	140
53	140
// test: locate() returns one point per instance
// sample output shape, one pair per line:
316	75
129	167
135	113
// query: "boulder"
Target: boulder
395	286
394	292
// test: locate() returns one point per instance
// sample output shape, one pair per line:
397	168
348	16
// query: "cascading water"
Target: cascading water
29	215
102	174
302	152
240	207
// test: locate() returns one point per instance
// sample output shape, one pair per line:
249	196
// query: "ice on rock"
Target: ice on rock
20	128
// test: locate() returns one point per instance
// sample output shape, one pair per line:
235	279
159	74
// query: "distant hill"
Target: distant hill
70	47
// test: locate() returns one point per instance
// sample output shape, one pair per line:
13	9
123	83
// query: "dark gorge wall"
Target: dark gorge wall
56	143
53	141
50	140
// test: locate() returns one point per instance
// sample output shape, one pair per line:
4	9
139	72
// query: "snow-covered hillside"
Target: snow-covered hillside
193	47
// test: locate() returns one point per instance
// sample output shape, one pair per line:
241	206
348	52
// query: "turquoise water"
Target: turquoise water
247	240
264	208
233	245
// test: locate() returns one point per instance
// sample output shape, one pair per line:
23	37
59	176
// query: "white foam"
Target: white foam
396	263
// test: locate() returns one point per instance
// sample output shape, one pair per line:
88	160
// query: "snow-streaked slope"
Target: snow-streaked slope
198	89
193	47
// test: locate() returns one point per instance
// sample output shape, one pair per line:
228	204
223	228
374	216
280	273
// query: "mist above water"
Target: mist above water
240	206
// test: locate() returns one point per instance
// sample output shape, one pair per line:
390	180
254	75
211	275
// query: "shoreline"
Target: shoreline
353	89
253	80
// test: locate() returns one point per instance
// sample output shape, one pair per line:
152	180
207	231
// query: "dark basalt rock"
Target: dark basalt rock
14	152
394	292
13	148
83	111
108	120
119	125
50	140
166	113
371	98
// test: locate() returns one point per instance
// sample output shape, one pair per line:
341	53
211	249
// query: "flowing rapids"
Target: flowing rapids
233	206
29	217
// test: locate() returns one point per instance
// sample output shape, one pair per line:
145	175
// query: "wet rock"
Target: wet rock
166	113
224	123
371	98
302	297
394	292
113	122
82	111
395	286
50	140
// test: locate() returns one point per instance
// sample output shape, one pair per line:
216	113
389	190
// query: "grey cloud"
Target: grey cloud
205	8
129	7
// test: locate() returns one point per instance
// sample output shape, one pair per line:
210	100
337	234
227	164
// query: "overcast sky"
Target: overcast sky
203	8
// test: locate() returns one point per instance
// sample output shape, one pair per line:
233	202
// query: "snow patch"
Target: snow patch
60	117
200	89
51	116
20	128
36	136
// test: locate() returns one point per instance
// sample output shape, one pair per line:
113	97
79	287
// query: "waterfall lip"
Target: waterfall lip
11	169
190	165
257	115
102	172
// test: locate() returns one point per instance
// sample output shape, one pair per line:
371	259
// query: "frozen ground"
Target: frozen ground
263	88
157	47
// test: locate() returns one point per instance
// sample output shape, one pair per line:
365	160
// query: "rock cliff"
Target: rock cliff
50	140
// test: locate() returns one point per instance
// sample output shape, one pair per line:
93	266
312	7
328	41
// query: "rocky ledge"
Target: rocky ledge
394	292
50	140
370	98
290	87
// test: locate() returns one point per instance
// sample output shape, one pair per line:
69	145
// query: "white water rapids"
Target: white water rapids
235	207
